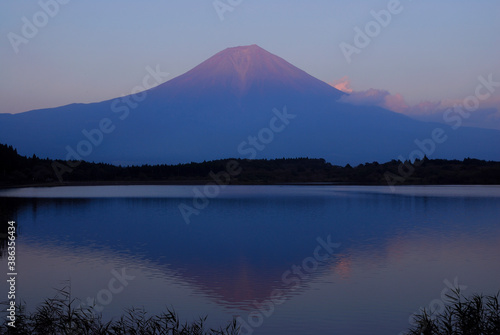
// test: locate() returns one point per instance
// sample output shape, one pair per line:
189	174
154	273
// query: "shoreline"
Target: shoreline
167	183
206	181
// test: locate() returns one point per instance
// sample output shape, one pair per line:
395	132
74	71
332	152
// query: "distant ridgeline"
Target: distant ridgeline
16	170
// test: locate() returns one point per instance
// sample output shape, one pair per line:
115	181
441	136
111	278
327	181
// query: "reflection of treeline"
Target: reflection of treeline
8	209
19	170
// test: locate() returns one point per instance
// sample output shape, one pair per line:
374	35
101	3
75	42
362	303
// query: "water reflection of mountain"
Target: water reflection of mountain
237	250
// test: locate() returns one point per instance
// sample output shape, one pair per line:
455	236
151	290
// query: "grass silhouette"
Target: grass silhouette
63	315
476	315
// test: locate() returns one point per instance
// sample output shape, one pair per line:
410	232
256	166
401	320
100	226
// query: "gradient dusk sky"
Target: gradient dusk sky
96	50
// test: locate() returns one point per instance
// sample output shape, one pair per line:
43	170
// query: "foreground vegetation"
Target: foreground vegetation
62	315
477	315
16	170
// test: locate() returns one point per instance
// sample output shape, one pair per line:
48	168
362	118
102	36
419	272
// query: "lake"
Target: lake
282	259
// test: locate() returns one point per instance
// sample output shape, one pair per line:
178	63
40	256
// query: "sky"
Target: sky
424	57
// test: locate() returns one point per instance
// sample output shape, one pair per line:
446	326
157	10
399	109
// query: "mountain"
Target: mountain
242	102
246	71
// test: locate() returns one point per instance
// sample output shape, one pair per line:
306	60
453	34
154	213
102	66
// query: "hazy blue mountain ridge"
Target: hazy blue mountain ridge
210	111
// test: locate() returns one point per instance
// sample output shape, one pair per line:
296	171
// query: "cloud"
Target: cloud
486	116
424	108
369	97
343	84
395	102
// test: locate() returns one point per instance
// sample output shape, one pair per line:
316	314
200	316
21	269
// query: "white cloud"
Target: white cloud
343	84
486	116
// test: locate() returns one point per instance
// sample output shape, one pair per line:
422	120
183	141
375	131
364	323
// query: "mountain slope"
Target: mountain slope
245	70
242	102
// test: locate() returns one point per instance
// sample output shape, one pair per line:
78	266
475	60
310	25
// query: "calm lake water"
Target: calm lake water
284	259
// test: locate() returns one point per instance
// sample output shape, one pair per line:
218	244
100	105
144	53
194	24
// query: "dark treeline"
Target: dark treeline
18	170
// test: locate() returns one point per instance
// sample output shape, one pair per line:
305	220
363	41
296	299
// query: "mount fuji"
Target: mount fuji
242	102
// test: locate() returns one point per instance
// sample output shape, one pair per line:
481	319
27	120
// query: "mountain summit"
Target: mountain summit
249	69
242	102
243	75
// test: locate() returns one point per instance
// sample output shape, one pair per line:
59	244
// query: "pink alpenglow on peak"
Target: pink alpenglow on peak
244	69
